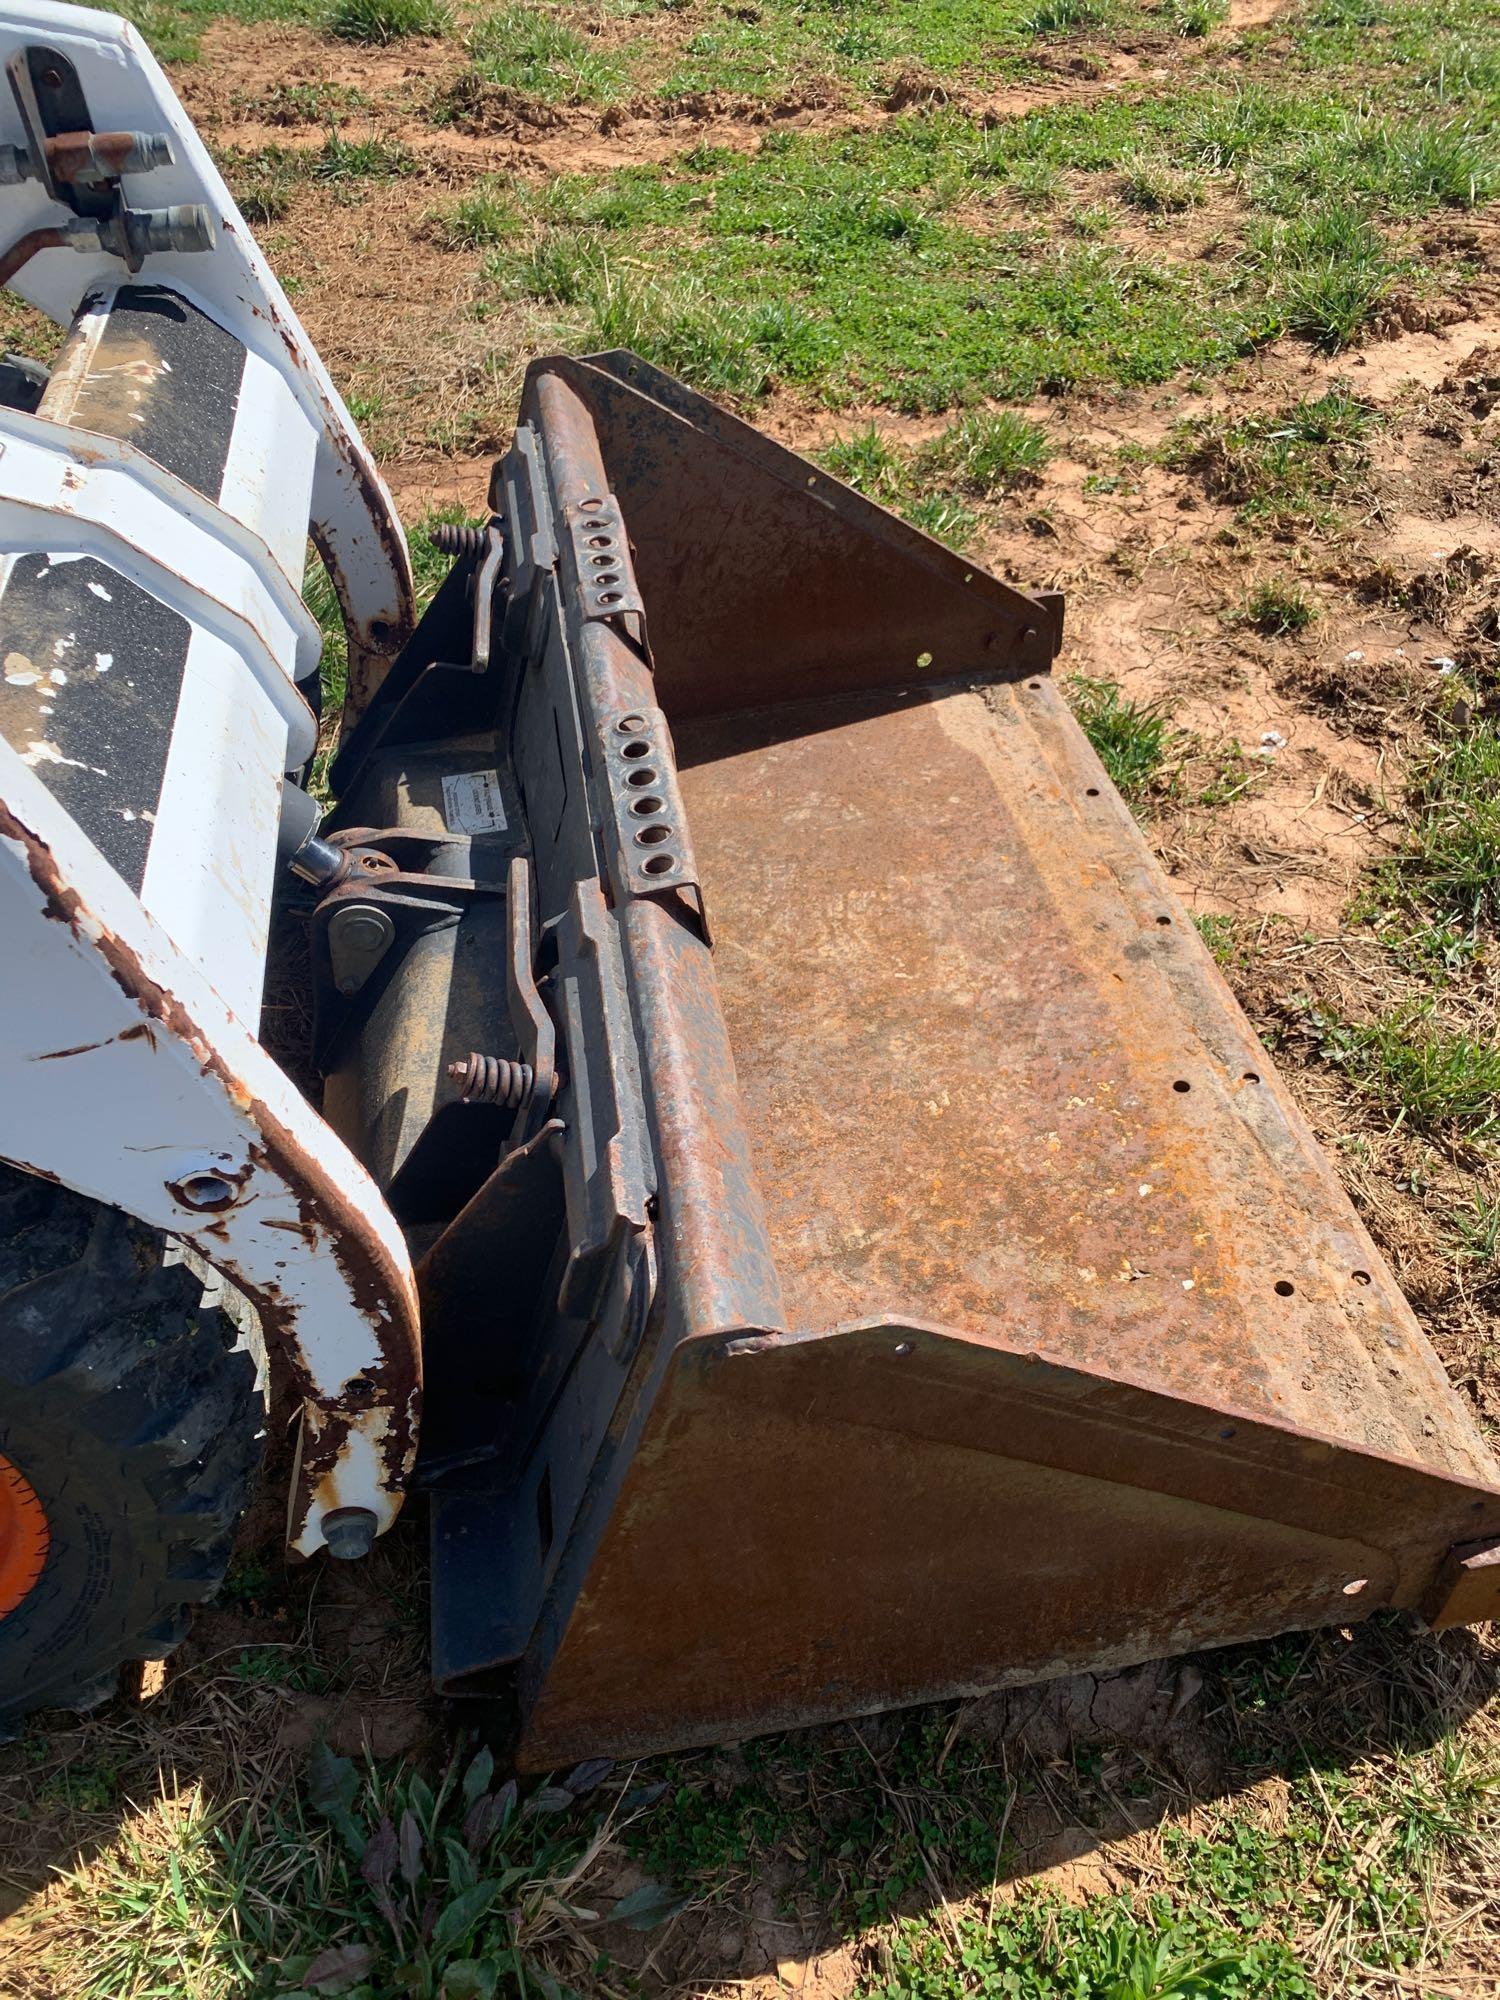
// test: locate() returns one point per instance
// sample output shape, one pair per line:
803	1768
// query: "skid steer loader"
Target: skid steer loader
792	1191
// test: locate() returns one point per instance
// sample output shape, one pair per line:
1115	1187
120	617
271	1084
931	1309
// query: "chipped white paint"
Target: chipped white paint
127	91
129	1061
104	1012
111	502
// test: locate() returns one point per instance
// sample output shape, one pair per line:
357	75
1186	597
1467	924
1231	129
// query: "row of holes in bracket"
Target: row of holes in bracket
646	804
601	542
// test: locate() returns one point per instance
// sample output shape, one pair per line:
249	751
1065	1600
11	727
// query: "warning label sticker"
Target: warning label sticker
472	802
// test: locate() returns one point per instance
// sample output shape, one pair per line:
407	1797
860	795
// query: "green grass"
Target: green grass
1475	1232
382	1881
381	21
1135	741
836	265
1154	184
1449	868
538	55
1046	1950
1284	468
1278	607
1326	272
982	457
264	183
479	219
429	567
990	452
1436	1078
1195	18
342	161
173	27
379	1882
851	266
776	52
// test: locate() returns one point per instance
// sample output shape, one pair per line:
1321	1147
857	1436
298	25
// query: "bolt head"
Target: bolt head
349	1533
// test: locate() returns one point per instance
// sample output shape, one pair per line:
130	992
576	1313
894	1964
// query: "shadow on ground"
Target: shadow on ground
789	1851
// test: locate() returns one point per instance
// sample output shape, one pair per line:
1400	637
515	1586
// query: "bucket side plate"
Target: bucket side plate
893	1513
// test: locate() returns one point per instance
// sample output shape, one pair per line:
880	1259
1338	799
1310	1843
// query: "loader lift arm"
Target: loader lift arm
155	718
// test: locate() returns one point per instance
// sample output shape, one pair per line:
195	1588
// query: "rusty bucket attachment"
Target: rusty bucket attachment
888	1266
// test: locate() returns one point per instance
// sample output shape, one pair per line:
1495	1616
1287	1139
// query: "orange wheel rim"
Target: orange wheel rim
23	1537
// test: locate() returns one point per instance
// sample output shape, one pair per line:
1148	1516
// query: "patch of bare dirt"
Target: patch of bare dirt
1253	13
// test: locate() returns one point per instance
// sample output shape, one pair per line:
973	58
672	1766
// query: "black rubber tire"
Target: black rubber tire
136	1412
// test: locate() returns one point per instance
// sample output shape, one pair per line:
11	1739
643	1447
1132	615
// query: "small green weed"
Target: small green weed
1278	607
310	103
381	21
282	1667
1135	741
263	183
990	452
250	1582
1222	937
85	1785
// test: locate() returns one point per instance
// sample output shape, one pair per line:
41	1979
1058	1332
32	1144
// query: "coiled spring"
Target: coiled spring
493	1080
453	538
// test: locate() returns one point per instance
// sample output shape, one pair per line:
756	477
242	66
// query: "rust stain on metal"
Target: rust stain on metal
823	1526
921	912
72	155
378	1288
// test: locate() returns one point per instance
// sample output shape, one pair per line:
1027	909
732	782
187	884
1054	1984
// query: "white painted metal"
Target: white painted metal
212	861
129	1067
352	514
93	495
273	452
123	1074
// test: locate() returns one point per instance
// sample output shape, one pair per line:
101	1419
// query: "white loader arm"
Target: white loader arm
158	689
